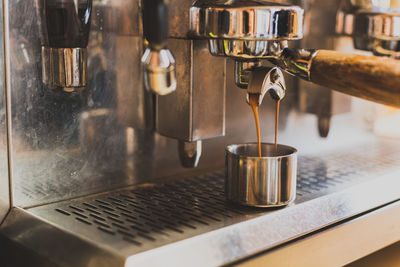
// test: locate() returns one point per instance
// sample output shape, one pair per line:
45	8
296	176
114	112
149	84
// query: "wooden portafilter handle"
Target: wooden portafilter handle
369	77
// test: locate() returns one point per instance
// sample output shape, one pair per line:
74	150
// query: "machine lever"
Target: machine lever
369	77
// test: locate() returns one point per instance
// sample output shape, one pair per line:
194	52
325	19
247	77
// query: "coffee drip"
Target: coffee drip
276	125
253	102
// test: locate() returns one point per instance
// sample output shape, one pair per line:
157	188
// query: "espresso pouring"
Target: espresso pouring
253	102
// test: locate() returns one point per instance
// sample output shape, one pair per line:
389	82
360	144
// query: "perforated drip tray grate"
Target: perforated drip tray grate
148	212
153	215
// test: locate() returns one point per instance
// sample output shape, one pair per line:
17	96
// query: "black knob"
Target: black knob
65	23
155	22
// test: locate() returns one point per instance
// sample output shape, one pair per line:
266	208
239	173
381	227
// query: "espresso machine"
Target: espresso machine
115	116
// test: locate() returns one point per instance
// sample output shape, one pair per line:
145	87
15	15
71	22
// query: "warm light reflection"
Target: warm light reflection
387	122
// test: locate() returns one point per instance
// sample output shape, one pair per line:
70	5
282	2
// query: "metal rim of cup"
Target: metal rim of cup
291	150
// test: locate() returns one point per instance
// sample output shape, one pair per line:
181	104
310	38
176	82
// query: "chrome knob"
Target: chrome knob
245	29
159	71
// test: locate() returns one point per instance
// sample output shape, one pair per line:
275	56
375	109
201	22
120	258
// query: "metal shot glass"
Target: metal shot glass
267	181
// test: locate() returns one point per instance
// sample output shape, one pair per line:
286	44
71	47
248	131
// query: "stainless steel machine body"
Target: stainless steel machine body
100	170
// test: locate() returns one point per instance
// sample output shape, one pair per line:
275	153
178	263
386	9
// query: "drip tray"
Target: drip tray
186	221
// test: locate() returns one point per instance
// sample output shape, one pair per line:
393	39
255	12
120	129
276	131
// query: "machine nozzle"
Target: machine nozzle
159	71
263	80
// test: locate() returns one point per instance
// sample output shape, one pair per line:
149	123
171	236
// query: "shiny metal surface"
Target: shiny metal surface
159	71
347	242
185	221
246	50
312	98
135	105
93	138
267	181
64	28
86	254
189	153
387	48
380	24
263	80
246	20
5	182
374	28
246	30
297	62
344	22
243	71
378	31
196	110
64	68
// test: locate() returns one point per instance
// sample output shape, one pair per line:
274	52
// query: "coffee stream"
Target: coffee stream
276	126
253	102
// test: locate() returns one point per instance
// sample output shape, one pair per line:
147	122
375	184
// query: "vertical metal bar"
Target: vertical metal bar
8	191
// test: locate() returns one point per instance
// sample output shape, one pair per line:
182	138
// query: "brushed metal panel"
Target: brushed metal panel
5	198
196	110
135	105
118	16
174	111
341	244
178	13
209	91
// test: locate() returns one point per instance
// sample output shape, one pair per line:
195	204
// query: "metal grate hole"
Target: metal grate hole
106	230
63	212
80	214
89	205
82	220
97	217
133	241
76	208
102	224
93	211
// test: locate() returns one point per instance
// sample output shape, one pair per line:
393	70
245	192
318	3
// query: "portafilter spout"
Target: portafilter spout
263	80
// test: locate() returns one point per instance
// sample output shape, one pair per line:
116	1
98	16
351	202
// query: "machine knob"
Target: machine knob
64	31
158	62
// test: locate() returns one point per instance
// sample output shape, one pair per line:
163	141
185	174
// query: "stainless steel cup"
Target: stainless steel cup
267	181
